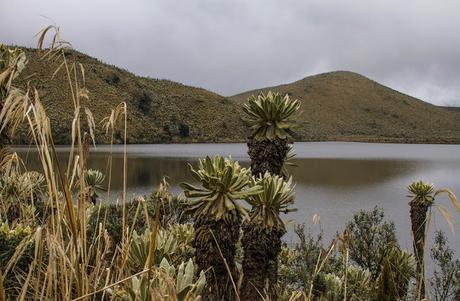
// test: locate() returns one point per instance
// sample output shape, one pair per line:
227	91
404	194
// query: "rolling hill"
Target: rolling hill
335	106
159	111
347	106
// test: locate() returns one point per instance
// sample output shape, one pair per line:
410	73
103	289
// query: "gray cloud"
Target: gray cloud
231	46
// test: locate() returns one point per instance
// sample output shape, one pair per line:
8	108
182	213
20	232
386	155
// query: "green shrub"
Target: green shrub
297	264
14	240
371	242
171	206
144	101
446	276
172	244
371	239
184	130
398	268
22	197
112	215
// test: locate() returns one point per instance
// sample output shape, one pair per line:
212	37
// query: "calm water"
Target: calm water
333	179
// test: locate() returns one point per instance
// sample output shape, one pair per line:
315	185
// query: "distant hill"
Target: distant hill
336	106
347	106
159	111
452	108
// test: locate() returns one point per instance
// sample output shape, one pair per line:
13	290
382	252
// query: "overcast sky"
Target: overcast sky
231	46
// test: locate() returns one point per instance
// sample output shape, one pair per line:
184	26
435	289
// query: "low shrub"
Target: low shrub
111	216
372	238
446	277
15	246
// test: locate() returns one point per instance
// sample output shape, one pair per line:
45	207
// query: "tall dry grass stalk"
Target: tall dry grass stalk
110	124
66	263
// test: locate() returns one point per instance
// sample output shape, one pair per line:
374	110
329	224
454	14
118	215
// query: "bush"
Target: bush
446	277
22	197
184	130
112	79
171	207
172	244
112	214
371	239
371	242
10	241
144	102
297	265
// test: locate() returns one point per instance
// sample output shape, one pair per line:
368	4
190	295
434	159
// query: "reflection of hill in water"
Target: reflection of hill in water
333	188
350	172
142	171
147	172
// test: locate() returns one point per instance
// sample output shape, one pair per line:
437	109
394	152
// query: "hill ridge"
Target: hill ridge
339	105
345	105
158	109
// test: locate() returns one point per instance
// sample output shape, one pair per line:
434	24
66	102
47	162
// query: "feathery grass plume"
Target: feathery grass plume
12	62
14	110
55	51
11	163
110	123
67	255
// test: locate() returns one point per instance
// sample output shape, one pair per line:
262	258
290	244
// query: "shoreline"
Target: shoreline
370	140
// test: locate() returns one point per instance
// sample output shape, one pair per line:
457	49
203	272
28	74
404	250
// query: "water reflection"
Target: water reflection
349	174
334	174
326	183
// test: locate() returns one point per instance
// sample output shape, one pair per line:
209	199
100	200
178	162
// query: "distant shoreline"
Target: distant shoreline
385	140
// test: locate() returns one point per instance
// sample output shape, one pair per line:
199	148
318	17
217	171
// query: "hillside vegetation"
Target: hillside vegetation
159	111
335	106
347	106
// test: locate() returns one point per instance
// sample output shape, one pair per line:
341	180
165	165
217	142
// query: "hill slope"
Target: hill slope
336	106
158	110
347	106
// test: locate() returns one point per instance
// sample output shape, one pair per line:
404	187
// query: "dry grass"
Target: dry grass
66	264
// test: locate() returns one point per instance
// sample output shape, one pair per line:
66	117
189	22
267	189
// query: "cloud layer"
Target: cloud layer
232	46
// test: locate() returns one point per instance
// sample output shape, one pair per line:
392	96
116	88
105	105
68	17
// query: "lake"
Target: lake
333	179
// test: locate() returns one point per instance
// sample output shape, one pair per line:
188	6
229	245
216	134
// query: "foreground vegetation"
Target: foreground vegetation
221	239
